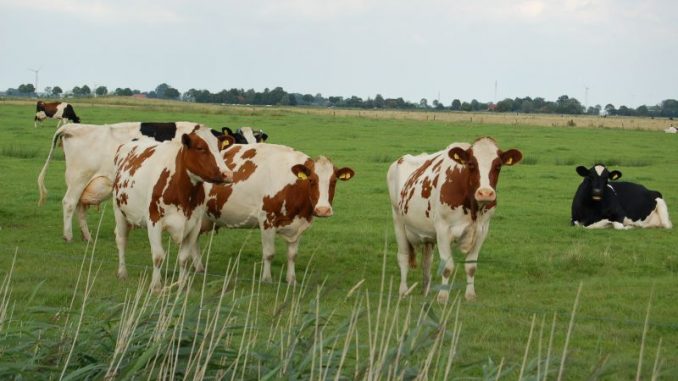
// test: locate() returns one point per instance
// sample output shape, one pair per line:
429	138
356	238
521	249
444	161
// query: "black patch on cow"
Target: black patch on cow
237	136
69	114
159	131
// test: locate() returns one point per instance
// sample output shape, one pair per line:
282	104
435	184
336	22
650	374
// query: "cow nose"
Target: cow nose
322	211
596	193
485	195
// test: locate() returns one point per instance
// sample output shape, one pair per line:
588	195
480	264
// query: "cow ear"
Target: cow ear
459	155
614	175
225	141
226	130
582	171
301	171
263	136
186	140
510	157
344	174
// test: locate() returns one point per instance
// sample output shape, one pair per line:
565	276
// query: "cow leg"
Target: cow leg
268	250
292	250
405	255
186	252
82	221
444	241
121	234
427	259
158	255
197	258
70	202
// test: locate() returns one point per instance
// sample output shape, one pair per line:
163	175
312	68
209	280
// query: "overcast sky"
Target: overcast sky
624	51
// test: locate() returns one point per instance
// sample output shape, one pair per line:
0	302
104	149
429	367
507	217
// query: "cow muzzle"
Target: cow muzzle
322	211
225	178
597	194
485	195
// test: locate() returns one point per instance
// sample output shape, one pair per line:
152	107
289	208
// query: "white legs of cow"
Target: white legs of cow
268	249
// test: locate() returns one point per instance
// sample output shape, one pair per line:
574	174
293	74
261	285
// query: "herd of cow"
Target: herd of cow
187	179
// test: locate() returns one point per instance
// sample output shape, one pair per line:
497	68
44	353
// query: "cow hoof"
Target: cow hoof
199	269
442	297
470	296
266	280
68	239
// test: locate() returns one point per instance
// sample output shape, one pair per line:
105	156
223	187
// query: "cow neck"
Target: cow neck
181	190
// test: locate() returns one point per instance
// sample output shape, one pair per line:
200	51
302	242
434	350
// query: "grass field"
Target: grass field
530	267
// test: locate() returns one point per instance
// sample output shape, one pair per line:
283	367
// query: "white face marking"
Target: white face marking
248	134
599	169
324	169
485	151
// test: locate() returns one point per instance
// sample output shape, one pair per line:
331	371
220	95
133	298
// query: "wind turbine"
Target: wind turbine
36	71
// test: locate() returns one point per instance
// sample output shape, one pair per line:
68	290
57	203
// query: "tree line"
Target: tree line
279	97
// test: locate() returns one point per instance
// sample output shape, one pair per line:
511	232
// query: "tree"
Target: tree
27	88
56	90
610	110
86	91
172	93
160	90
76	91
423	103
379	101
48	90
101	91
456	105
669	108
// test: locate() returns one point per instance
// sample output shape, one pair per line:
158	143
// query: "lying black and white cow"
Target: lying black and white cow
600	203
246	135
55	110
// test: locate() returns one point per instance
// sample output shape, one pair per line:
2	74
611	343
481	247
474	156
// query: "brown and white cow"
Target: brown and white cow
89	150
445	197
160	186
55	110
276	188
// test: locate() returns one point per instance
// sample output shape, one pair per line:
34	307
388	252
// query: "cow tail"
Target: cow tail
41	176
663	212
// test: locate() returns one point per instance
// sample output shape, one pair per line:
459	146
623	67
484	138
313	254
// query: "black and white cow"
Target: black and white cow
246	135
600	203
55	110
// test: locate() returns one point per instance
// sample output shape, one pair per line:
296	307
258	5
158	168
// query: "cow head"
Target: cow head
322	177
200	155
482	163
596	179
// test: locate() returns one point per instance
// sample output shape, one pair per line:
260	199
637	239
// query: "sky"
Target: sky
625	52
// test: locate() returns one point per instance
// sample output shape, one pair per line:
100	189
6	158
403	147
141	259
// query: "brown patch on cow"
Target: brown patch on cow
435	180
181	192
471	271
459	189
412	257
244	171
400	161
250	153
293	201
49	108
447	272
436	166
122	199
408	189
155	210
428	209
229	156
157	261
133	161
218	197
426	188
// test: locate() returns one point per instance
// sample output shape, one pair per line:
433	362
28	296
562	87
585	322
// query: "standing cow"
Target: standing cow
277	189
89	150
159	186
445	197
55	110
599	203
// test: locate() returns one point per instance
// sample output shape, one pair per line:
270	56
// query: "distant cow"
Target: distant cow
599	203
246	135
445	197
89	150
671	130
159	186
277	189
55	110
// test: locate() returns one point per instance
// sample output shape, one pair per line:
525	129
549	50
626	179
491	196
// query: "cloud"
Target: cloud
114	12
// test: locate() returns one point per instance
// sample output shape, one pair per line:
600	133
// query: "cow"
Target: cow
601	203
246	135
445	197
671	130
55	110
89	150
277	189
160	186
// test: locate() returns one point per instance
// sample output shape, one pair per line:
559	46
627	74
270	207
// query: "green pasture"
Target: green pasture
531	264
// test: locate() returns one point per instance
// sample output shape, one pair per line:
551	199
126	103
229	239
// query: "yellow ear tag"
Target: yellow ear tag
302	176
509	161
615	177
225	144
345	176
458	158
